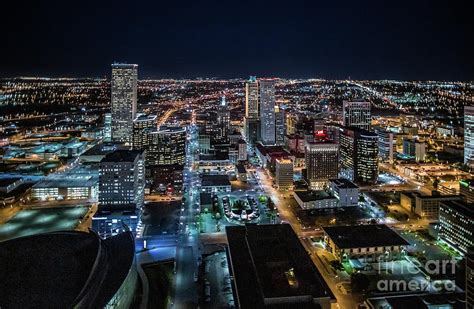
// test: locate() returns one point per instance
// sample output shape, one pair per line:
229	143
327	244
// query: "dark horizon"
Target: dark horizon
370	41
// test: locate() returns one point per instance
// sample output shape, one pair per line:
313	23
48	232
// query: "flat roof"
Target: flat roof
122	156
364	236
8	181
269	262
461	207
241	169
344	183
308	196
215	180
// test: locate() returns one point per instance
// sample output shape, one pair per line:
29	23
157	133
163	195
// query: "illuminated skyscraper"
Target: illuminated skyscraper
356	114
251	98
124	101
252	122
141	126
267	111
222	122
358	155
469	135
321	163
280	125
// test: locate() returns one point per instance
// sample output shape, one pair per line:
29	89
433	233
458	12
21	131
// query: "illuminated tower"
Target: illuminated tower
267	111
356	114
124	101
469	135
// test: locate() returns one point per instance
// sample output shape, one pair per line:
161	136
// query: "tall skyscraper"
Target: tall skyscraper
386	144
142	124
356	114
122	180
222	122
124	101
267	111
251	98
321	163
280	125
358	155
165	146
252	121
469	135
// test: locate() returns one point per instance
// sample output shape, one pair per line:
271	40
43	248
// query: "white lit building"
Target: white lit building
356	114
284	174
469	135
267	111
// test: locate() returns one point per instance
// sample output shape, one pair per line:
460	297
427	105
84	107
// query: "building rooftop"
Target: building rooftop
4	182
122	156
215	180
461	207
343	183
69	269
424	301
241	169
309	196
270	265
364	236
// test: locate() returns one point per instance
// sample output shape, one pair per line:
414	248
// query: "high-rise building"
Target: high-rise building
321	163
124	101
358	155
142	124
107	128
356	114
414	148
252	130
267	111
222	123
456	219
251	98
242	146
284	173
280	125
469	135
122	180
165	146
386	144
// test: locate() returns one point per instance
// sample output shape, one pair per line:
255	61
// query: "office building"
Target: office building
222	124
356	114
456	225
68	269
215	183
251	98
271	269
280	125
252	130
124	101
466	189
414	148
368	243
319	199
469	135
242	146
321	160
358	155
386	144
284	174
122	180
165	146
142	124
267	111
107	133
345	191
425	206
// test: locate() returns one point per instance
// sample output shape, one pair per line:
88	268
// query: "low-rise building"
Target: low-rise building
9	184
370	243
215	183
308	200
345	191
425	206
241	172
456	227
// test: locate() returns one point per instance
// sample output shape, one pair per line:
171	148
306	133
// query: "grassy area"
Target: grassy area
160	276
348	268
448	249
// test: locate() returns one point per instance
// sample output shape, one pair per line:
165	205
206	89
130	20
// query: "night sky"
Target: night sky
300	39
